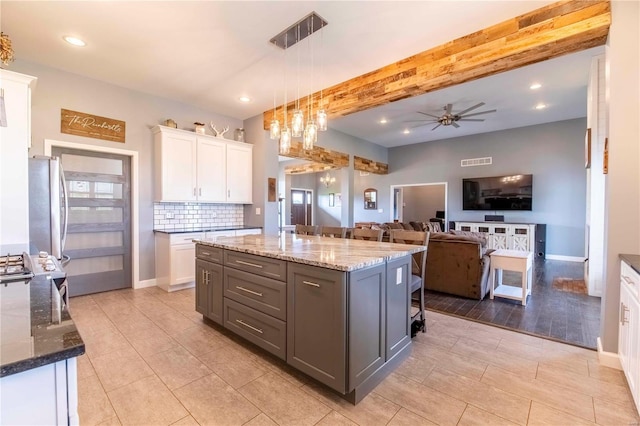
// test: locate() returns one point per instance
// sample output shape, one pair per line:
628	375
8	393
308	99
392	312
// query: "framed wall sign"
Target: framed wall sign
91	126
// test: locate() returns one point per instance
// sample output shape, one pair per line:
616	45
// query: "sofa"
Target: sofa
458	263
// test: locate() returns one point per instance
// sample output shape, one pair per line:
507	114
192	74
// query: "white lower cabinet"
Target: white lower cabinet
629	329
175	254
46	395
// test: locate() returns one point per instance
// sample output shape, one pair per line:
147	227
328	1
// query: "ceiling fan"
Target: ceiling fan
450	118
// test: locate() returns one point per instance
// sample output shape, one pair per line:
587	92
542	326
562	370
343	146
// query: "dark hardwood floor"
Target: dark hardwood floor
551	313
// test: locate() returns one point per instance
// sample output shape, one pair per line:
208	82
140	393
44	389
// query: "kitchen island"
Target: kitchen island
336	309
39	343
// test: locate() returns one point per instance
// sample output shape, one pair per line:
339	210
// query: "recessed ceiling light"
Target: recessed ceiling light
535	86
244	99
541	106
406	131
75	41
383	121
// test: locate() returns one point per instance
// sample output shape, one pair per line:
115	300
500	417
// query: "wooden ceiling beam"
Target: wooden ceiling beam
551	31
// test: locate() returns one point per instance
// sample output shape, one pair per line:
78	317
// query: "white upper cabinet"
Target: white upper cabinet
201	168
15	140
239	173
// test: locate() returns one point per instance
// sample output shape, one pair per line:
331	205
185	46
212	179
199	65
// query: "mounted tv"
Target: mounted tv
498	193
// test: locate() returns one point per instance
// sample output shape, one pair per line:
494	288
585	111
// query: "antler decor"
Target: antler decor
217	132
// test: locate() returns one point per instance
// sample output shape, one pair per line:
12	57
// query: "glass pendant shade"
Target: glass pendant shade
310	135
274	129
285	140
322	120
297	123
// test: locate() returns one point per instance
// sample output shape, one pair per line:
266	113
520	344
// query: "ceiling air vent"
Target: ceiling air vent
484	161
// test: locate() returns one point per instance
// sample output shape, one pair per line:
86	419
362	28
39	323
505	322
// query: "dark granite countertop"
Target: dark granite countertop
633	260
207	229
35	326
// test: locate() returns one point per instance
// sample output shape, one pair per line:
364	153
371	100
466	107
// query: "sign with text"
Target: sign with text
91	126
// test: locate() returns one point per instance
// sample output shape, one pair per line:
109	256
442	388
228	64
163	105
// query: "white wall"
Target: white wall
58	89
623	181
553	153
422	202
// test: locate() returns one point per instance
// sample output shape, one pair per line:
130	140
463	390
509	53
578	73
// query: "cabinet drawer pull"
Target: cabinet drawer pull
310	283
249	291
206	253
623	317
628	280
255	265
249	326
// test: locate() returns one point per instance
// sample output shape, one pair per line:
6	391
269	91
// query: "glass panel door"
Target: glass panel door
99	231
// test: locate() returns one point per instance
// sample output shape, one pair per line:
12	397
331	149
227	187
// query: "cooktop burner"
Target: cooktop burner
15	267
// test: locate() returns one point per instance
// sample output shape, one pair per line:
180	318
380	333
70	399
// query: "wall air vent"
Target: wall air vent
484	161
364	173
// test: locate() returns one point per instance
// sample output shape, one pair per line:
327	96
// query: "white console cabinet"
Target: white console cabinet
175	254
199	168
629	328
509	236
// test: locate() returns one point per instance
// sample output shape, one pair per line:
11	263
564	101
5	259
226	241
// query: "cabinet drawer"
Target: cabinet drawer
270	268
185	238
631	278
263	330
263	294
212	254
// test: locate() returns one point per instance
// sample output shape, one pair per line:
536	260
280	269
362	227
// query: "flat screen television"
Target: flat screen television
498	193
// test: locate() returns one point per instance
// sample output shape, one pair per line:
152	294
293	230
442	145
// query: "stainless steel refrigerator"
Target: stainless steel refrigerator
48	207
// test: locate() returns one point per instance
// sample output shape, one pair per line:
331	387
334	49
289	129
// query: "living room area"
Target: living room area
553	153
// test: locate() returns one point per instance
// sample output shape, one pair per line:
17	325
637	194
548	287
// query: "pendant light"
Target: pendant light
300	30
311	130
285	133
321	117
297	122
274	127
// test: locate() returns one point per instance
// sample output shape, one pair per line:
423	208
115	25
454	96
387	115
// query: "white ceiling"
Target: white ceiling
209	53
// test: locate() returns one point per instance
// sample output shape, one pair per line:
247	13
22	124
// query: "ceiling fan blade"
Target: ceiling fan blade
449	108
470	119
478	113
454	124
420	121
472	108
421	125
439	124
429	115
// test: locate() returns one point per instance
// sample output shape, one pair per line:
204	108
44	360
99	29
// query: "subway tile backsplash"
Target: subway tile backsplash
178	216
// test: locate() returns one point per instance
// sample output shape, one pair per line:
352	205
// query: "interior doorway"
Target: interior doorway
301	207
420	202
99	239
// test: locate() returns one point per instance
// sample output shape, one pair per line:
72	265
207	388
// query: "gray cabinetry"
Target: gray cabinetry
209	290
367	318
316	323
265	331
398	312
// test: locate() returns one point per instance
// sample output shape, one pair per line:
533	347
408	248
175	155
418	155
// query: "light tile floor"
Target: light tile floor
151	360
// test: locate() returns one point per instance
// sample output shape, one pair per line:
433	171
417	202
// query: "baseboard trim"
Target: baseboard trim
565	258
608	359
146	283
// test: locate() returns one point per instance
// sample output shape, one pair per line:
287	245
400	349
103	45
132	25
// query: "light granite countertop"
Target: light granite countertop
331	253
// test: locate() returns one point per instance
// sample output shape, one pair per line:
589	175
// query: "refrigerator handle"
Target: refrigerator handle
65	195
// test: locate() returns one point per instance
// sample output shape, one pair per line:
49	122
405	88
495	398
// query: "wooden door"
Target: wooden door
301	207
